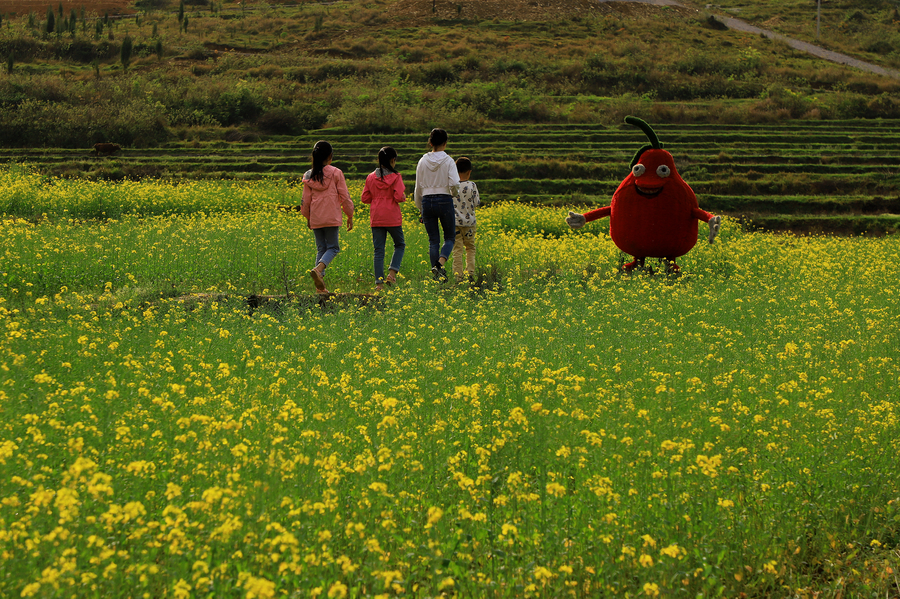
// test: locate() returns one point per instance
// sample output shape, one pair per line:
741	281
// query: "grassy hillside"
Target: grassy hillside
393	65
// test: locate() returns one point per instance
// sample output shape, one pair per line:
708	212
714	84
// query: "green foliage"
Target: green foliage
50	25
47	123
126	48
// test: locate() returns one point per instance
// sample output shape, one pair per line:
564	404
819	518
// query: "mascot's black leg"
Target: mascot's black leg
671	267
636	263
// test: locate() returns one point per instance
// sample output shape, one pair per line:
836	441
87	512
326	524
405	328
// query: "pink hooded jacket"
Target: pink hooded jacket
322	202
385	195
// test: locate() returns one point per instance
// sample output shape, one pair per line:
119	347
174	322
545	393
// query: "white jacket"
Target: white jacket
435	174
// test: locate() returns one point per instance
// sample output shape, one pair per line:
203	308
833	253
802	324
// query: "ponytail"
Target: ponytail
437	138
320	154
385	155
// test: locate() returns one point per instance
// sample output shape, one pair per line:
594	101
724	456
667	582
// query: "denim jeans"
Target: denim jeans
438	214
326	244
379	239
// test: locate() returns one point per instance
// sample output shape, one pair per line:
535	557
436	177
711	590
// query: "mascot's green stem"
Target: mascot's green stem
648	131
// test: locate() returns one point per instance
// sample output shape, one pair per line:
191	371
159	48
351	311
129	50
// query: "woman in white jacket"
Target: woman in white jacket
436	182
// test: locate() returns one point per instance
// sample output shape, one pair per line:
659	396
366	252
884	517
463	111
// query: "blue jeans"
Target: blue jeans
326	244
379	238
437	214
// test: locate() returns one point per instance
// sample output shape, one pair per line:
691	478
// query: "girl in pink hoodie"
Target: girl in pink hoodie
325	195
384	190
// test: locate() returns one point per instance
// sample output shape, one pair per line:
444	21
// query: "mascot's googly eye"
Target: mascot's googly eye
663	171
638	170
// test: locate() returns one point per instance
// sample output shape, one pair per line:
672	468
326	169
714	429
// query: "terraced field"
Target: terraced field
813	176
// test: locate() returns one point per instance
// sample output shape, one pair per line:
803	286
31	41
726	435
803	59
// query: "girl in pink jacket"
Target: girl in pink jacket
325	195
384	190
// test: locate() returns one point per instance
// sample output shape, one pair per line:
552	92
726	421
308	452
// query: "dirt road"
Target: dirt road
739	25
837	57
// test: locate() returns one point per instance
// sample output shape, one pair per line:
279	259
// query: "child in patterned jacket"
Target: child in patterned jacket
464	203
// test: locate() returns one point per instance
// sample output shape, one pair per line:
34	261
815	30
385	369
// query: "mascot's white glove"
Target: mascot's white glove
714	224
576	221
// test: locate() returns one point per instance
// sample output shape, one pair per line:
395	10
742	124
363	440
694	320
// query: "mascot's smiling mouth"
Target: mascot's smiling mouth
648	192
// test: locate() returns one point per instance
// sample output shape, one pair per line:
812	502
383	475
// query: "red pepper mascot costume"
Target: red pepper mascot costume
653	213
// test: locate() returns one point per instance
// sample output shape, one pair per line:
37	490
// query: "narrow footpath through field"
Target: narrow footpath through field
740	25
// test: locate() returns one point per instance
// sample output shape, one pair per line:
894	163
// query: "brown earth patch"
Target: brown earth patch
524	10
506	10
101	7
39	7
417	11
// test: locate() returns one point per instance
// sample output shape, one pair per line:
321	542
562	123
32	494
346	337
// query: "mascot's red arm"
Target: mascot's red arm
701	215
598	213
576	221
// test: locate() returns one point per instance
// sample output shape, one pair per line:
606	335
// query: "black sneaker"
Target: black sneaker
439	273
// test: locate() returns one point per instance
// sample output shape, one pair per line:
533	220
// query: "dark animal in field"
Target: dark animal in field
106	149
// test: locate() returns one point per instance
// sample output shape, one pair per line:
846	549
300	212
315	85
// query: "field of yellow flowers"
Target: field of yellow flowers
557	429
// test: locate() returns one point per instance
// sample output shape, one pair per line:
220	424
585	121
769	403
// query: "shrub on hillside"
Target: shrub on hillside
36	123
78	50
265	72
326	69
382	114
436	73
884	106
378	115
279	121
226	103
21	47
501	100
777	97
599	70
410	54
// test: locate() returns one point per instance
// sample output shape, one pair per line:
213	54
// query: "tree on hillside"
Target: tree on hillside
126	52
51	21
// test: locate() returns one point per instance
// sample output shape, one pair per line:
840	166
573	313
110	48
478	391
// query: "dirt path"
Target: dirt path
739	25
837	57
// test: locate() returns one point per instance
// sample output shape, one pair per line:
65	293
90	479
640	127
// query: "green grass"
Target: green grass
559	429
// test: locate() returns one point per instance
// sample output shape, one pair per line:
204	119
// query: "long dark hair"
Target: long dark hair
321	152
385	155
437	138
